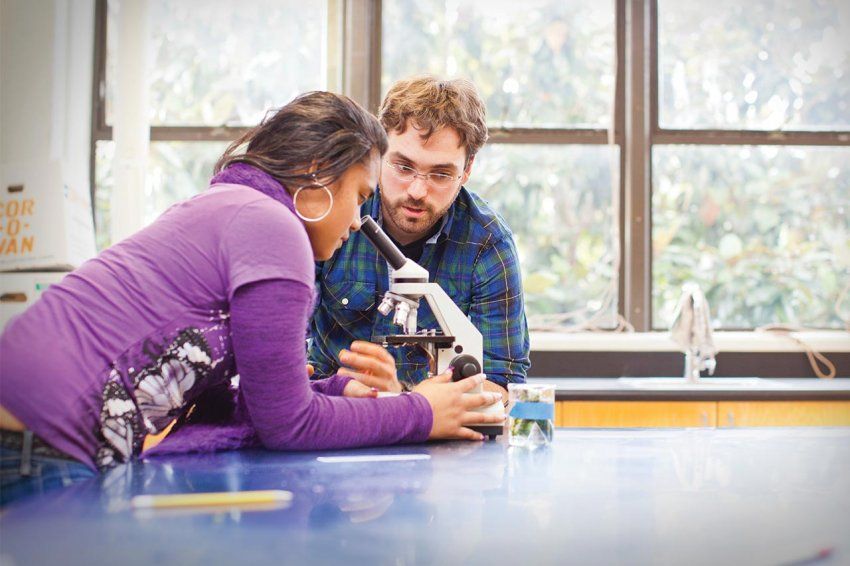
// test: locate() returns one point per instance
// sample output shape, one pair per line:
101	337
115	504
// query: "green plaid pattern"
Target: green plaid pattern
473	259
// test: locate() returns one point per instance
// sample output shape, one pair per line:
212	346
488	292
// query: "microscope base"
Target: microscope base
491	431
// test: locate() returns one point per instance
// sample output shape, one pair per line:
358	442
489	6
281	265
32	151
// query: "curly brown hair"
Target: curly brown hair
432	104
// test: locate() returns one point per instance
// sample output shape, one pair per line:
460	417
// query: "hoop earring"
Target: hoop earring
313	185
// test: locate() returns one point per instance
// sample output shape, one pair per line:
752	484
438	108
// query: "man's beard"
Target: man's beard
413	225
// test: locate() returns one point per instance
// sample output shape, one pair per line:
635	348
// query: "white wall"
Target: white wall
46	65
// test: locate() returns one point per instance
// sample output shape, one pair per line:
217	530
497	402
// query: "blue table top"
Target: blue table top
649	496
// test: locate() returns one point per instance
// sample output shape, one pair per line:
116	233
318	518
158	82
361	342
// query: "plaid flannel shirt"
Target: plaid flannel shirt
474	260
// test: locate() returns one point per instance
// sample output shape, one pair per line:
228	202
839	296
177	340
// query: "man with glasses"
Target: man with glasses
435	129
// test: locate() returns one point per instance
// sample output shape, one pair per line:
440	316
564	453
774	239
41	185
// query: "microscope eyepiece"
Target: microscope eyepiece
382	242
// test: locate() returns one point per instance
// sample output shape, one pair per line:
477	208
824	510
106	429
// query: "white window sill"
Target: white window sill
739	341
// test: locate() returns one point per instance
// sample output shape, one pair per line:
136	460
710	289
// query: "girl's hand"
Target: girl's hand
371	365
453	409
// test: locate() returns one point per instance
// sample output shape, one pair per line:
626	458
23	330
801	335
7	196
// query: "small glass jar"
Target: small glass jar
531	414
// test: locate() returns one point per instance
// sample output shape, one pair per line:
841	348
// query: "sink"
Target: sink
703	383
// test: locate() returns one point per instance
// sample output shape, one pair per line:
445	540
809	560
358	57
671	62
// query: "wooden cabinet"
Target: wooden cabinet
674	414
783	402
783	413
616	414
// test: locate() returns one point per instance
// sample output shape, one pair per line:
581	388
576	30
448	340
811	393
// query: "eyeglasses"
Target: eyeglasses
407	174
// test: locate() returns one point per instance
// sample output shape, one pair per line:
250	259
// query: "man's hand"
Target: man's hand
490	386
356	389
371	365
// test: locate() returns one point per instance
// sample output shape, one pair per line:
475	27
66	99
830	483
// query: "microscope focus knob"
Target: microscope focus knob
464	366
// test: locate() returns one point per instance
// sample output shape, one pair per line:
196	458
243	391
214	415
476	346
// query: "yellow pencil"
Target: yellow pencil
212	499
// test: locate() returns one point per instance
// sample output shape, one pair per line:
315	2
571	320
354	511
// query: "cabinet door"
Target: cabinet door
783	413
615	414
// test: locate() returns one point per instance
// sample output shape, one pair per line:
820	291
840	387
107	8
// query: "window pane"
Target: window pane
778	64
176	171
541	62
111	50
104	181
559	203
216	62
764	230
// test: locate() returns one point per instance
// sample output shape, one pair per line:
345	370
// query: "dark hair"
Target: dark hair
328	130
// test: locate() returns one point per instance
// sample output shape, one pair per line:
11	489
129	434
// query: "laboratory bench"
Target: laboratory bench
714	402
594	496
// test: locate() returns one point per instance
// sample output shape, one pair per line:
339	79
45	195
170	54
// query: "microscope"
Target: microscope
457	344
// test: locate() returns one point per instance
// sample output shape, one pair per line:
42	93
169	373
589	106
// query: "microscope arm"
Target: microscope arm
451	320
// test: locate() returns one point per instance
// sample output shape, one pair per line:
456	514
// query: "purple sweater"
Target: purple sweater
219	284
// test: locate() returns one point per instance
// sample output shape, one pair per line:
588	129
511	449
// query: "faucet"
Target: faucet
691	330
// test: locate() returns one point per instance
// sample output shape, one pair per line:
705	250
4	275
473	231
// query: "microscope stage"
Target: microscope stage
439	340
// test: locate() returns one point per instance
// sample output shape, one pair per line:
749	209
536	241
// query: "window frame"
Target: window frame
710	136
354	33
101	131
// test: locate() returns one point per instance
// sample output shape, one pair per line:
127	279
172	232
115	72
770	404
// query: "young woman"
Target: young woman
156	326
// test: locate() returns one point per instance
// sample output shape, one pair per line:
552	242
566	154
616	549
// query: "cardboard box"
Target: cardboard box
20	290
45	217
